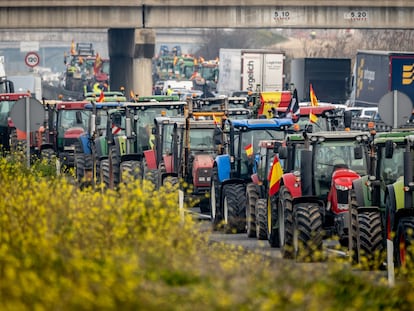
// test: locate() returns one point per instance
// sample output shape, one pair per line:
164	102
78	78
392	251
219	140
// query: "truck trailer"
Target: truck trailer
378	72
248	70
330	78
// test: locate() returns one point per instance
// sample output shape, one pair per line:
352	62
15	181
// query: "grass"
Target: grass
66	249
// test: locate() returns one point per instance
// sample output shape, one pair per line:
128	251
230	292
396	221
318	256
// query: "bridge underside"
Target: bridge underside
131	35
208	16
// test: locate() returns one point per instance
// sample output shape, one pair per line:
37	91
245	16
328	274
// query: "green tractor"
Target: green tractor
133	152
399	207
368	193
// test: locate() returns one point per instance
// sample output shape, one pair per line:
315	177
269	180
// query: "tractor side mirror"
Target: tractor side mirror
389	149
358	152
347	118
276	147
283	152
78	117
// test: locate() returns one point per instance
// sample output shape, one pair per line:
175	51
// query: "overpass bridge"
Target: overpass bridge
131	24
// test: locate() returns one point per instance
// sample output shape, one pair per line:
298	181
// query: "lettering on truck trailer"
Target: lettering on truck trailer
250	75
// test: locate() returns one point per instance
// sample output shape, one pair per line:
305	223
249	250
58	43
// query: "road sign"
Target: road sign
36	114
395	108
32	59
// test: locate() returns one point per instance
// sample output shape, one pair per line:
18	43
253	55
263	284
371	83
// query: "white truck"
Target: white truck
28	83
6	86
246	69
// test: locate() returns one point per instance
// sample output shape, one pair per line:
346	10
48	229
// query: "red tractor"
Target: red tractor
313	201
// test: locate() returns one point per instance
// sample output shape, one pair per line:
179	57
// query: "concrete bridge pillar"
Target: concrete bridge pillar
131	52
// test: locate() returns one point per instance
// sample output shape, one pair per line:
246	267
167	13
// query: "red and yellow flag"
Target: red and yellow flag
72	48
97	64
269	100
314	103
313	99
101	98
313	118
249	150
216	119
275	175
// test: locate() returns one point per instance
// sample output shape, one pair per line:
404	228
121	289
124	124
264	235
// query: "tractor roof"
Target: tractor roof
338	135
13	96
396	137
262	123
72	105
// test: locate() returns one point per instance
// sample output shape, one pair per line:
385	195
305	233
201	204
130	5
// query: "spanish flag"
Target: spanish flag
72	48
101	98
313	118
275	175
216	119
249	150
314	102
97	64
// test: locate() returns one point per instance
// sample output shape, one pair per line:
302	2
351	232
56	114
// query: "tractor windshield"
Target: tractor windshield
318	126
73	118
330	155
391	169
5	107
254	137
250	144
202	139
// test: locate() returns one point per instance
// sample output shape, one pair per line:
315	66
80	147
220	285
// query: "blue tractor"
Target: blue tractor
237	144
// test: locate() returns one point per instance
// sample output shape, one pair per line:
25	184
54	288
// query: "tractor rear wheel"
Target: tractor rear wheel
371	238
215	211
234	208
130	171
261	219
285	217
404	241
115	160
251	198
308	235
104	172
150	174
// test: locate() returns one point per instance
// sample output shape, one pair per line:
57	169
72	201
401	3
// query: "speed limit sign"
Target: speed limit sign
32	59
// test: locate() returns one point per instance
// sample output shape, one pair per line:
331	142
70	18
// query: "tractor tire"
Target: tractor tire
14	142
404	241
215	208
150	175
115	167
234	208
308	235
251	198
104	173
371	238
261	219
171	182
79	167
130	171
48	155
354	243
285	218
